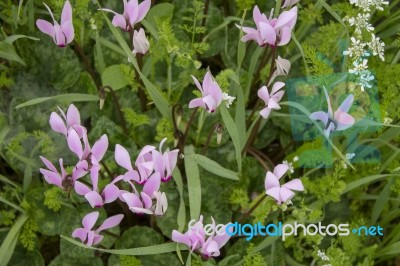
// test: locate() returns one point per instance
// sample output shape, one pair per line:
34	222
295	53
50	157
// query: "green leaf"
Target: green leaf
240	115
13	38
215	168
226	22
181	217
8	245
193	183
70	97
150	250
381	202
226	261
11	204
253	64
7	52
159	11
27	178
30	258
363	181
114	77
234	133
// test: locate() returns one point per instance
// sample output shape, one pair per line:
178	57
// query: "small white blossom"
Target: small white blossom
322	255
379	4
350	156
387	120
361	22
377	47
356	49
227	99
365	80
358	68
289	165
362	4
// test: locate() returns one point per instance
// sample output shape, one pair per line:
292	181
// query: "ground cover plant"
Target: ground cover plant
218	132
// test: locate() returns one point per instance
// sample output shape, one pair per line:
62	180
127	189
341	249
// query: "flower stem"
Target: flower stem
79	51
249	212
121	116
253	135
214	128
192	116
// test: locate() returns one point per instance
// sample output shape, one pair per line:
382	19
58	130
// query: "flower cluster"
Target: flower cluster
360	48
134	12
195	238
151	167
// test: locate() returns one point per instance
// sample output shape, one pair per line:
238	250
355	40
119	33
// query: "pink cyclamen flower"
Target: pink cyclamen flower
282	193
271	100
143	202
140	42
144	163
211	94
195	239
92	237
62	124
133	13
63	33
271	31
164	163
340	120
62	179
109	194
289	3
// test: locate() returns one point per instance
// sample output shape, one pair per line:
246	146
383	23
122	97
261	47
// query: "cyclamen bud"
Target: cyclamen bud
220	129
102	96
140	42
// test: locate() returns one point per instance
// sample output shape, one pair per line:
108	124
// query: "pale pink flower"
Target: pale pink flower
211	94
63	33
91	237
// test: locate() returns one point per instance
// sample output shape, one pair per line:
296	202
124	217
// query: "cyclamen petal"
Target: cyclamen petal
100	147
90	220
122	157
110	222
94	199
57	124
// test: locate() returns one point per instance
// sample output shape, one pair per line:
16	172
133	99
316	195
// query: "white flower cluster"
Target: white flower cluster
359	47
290	164
227	99
323	256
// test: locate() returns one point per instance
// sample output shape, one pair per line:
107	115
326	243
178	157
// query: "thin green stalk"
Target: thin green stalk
277	7
200	125
169	77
